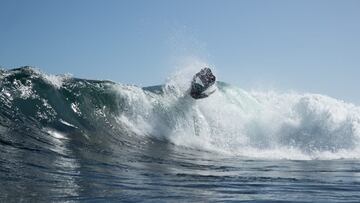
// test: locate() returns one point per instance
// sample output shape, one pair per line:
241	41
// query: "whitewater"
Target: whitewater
69	139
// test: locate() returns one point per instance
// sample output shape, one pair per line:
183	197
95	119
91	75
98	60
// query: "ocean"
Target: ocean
65	139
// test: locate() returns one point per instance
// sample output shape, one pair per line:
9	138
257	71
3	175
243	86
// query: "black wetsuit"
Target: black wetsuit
207	80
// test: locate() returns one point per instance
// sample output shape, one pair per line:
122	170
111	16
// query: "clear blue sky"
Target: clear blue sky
308	46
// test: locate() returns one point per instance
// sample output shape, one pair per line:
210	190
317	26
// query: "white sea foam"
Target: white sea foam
257	124
68	124
75	108
56	80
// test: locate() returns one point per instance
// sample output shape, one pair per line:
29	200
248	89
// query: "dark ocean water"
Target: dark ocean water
64	139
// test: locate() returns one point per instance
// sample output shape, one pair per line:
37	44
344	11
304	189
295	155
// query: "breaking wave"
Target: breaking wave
40	111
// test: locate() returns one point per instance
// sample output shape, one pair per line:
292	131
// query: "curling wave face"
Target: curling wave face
45	112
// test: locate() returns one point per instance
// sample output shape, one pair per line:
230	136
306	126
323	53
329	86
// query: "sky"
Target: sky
305	46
